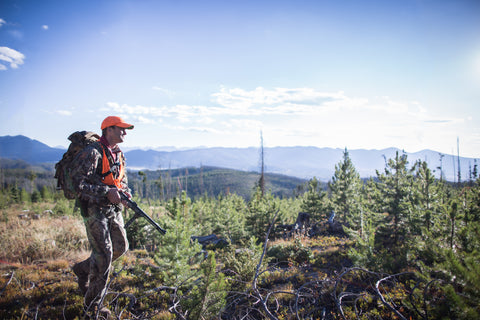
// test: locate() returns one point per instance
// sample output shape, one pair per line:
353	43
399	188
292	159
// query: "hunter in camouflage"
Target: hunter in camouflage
98	176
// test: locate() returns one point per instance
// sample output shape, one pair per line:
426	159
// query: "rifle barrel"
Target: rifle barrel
140	213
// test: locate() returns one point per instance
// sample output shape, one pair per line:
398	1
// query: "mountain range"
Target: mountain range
301	162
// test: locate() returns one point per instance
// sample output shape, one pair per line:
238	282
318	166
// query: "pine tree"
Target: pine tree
364	253
176	251
463	268
394	237
207	297
46	193
15	194
427	194
371	196
261	210
456	255
224	216
345	192
315	201
229	218
472	210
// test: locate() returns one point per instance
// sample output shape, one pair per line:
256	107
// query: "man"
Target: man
98	176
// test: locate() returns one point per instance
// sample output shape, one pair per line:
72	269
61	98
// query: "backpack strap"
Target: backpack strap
112	163
110	160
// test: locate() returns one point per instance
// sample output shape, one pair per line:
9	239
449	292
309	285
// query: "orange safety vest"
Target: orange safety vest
107	174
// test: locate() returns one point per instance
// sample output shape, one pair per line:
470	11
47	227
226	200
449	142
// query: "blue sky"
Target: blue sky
355	74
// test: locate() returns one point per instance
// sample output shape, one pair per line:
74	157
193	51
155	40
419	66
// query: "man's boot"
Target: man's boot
80	271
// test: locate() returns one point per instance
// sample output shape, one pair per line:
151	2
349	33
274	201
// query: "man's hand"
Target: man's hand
129	196
113	196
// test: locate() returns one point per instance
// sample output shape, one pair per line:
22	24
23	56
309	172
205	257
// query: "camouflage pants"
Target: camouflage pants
108	241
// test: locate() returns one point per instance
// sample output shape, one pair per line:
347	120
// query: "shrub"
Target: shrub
64	207
208	294
241	264
294	252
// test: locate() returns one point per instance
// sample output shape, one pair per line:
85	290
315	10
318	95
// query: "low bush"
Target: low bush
296	253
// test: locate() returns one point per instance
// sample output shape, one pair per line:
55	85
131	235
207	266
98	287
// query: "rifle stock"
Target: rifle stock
139	213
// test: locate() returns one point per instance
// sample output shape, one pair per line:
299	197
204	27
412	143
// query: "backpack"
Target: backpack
79	141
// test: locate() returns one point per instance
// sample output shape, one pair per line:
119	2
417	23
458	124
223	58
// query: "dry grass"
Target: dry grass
40	237
44	290
304	240
320	241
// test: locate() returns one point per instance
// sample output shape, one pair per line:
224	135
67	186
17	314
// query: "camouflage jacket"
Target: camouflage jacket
87	173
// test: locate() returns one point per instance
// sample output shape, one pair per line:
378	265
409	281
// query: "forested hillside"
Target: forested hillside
159	184
209	182
402	245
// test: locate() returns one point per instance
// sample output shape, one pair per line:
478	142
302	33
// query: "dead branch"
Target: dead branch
115	301
338	299
273	293
306	296
257	272
425	292
388	305
176	301
37	309
64	307
8	282
357	311
410	297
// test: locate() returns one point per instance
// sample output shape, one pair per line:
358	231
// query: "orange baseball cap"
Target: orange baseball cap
115	121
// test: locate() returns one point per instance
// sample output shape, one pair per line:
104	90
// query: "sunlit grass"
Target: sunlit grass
41	237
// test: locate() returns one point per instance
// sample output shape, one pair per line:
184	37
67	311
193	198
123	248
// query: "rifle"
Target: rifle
139	213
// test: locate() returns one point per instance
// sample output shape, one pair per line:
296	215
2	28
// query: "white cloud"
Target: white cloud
45	27
206	120
145	120
64	112
284	101
284	105
304	102
2	22
302	116
309	117
11	56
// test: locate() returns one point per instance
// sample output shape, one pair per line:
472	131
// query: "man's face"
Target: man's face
116	135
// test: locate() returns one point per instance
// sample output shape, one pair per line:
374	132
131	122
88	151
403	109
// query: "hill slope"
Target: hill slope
32	151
